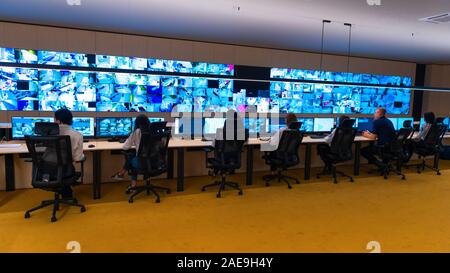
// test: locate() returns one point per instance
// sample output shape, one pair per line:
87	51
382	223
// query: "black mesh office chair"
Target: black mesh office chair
52	170
393	154
340	150
152	157
430	146
226	160
286	155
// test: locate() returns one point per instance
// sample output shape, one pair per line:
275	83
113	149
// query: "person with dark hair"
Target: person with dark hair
383	132
417	141
141	124
65	120
323	149
430	119
275	139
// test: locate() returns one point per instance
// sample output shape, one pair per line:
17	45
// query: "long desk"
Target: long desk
177	145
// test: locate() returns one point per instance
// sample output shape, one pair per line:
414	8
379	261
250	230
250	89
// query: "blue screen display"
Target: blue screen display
211	125
323	124
113	127
84	125
365	124
27	89
23	126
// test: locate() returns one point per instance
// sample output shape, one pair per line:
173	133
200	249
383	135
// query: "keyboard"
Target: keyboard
316	136
10	145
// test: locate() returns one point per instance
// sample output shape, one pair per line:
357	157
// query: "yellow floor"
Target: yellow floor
316	216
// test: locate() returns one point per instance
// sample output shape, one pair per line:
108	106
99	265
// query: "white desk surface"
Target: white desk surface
102	145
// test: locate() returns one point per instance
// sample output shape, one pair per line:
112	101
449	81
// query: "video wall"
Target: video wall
48	83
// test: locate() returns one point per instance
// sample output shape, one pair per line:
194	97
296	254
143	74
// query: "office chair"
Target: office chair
394	153
285	156
430	146
52	170
227	159
152	157
407	124
340	150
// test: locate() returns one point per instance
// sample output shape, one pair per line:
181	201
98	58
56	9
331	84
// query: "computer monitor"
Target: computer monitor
149	119
395	123
323	125
401	121
113	127
194	125
84	125
210	125
365	124
22	126
257	125
307	124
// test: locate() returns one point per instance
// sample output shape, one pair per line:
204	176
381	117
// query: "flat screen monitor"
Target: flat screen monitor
149	119
84	125
188	127
323	124
365	124
400	122
22	126
307	124
211	125
395	123
113	127
256	125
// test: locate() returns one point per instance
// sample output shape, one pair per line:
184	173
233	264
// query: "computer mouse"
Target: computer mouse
91	145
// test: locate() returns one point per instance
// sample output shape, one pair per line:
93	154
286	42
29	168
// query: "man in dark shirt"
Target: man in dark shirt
383	132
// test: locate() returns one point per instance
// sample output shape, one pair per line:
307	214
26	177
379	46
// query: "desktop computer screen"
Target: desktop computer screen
22	126
149	119
211	125
400	122
323	124
395	123
113	127
189	127
365	124
256	125
84	125
307	124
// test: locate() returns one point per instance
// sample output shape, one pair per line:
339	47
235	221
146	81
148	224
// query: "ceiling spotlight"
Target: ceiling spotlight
73	2
373	2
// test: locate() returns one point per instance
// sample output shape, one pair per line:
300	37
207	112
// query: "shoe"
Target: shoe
130	189
117	177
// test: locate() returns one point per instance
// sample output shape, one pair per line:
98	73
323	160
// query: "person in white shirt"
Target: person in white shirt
323	149
141	124
417	141
65	119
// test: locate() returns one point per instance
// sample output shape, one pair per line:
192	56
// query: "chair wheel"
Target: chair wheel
267	184
289	187
203	189
438	173
157	200
403	178
240	193
385	178
218	195
169	192
83	209
318	176
297	182
352	180
130	201
53	219
27	215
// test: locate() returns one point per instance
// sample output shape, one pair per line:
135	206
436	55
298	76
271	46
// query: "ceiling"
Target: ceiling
390	31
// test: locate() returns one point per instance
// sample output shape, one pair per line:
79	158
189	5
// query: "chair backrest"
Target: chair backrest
152	152
341	144
435	135
348	123
51	157
408	124
288	147
397	146
46	129
228	152
158	127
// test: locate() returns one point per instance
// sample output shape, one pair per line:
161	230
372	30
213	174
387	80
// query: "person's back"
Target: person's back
384	129
76	141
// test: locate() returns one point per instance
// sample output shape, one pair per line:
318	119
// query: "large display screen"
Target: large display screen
27	89
24	126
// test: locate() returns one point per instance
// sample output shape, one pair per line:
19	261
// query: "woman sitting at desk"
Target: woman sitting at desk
142	124
323	149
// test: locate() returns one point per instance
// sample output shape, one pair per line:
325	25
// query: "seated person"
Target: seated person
418	139
65	119
275	139
383	132
141	124
323	149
